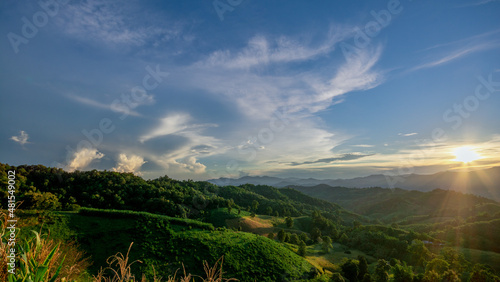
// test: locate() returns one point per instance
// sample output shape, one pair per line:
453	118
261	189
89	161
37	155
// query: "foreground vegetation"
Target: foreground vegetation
180	228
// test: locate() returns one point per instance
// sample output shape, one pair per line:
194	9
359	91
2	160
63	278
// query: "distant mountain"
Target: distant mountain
484	183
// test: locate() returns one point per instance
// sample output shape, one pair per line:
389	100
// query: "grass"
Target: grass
42	258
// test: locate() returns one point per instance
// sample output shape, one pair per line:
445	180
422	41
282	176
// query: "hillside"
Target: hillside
397	204
166	244
262	232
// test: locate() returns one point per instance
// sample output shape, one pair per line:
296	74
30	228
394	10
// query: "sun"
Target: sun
466	154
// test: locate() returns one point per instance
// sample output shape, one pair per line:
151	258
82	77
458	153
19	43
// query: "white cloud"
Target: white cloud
130	163
260	51
124	109
461	48
407	134
83	158
22	138
184	159
363	146
477	3
356	74
249	78
178	124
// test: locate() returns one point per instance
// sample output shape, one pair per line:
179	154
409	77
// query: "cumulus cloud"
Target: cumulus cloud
22	138
83	158
130	163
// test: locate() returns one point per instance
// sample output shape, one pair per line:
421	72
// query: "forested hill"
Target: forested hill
396	203
45	188
183	223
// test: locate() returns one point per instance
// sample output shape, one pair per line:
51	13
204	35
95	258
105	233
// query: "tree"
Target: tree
270	236
432	276
255	205
294	239
450	276
327	244
287	237
315	233
281	235
367	278
438	265
363	267
337	277
42	201
381	273
419	253
289	222
350	270
252	214
302	249
230	204
454	258
356	224
276	214
402	273
269	210
303	237
343	239
481	272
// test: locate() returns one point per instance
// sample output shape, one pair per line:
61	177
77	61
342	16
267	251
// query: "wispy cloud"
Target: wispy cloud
182	159
178	123
407	134
344	157
460	48
456	54
121	108
130	163
259	79
22	138
477	3
363	146
261	51
83	158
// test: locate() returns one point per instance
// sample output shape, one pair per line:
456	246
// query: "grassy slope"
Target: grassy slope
166	246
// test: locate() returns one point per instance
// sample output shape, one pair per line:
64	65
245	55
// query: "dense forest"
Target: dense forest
258	232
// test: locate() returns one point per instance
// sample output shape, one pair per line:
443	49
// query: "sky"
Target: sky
229	88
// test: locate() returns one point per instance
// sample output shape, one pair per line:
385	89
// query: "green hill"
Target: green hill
165	244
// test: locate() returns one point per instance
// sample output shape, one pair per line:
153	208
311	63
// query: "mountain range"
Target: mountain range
485	182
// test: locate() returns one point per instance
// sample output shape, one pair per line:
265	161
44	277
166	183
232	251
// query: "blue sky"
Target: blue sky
207	89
